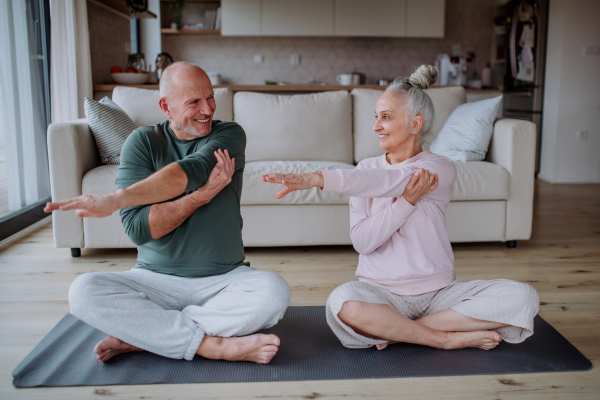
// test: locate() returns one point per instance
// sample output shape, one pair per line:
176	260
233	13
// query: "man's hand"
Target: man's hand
295	182
98	206
422	183
220	177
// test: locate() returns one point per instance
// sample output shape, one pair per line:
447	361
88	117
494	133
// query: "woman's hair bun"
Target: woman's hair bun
424	76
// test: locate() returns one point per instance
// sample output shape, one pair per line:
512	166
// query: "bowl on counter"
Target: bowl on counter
130	78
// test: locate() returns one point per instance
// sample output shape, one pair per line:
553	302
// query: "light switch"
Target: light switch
589	50
259	58
295	59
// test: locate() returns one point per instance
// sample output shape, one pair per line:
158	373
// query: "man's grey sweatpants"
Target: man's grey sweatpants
169	315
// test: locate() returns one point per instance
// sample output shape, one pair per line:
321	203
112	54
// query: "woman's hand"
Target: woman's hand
220	176
294	182
422	183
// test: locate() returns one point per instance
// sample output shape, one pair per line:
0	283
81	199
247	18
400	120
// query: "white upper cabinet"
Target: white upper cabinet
297	17
425	18
241	17
363	18
370	18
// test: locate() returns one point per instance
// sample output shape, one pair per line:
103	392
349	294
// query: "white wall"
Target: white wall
572	94
150	34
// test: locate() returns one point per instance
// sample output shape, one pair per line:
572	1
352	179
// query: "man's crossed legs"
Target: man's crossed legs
215	317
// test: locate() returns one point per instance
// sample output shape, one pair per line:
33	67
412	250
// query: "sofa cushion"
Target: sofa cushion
444	99
258	192
480	180
309	127
475	180
142	104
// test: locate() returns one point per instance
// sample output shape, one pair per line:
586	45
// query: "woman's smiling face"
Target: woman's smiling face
391	123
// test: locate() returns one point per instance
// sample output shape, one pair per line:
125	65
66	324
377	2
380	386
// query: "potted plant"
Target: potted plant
137	6
177	7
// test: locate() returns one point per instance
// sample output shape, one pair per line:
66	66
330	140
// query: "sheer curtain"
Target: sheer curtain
71	59
24	112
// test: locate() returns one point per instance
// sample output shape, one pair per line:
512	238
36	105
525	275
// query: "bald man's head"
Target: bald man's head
187	99
178	75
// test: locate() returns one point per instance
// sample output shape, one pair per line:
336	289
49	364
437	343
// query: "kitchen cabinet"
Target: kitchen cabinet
425	18
241	17
344	18
297	18
370	18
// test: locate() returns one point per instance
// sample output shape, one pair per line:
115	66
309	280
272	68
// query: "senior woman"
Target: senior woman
407	290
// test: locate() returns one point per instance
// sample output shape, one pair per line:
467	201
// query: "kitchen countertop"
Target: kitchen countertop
108	87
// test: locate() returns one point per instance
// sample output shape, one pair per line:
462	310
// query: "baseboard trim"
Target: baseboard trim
24	232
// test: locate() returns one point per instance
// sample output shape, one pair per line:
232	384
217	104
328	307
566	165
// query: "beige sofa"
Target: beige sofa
492	199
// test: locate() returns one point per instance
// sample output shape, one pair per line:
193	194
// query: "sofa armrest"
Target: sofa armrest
72	152
513	148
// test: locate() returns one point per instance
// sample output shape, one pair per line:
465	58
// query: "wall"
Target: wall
110	41
572	95
468	22
150	36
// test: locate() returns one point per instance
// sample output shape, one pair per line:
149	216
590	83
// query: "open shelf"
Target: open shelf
169	31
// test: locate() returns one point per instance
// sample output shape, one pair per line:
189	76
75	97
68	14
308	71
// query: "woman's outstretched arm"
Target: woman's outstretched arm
359	182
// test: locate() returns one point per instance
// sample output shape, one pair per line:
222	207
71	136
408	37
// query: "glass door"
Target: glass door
24	113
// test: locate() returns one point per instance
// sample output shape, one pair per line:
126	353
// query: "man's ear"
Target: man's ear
162	103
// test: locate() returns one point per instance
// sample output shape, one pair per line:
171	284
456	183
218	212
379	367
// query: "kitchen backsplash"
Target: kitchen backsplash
468	23
109	34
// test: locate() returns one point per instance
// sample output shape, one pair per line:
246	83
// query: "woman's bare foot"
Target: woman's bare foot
258	348
111	346
485	340
384	345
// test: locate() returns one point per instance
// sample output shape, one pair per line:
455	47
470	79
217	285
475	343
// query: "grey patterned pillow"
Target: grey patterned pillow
110	126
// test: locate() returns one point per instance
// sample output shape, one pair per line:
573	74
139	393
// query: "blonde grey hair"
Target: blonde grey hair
417	102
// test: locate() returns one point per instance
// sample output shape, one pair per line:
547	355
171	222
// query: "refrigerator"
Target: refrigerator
525	35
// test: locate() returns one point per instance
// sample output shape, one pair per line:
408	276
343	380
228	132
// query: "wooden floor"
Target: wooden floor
562	261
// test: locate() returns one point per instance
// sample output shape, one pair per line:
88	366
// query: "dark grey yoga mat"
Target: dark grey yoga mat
309	351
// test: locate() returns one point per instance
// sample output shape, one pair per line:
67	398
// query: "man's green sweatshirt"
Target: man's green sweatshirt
209	242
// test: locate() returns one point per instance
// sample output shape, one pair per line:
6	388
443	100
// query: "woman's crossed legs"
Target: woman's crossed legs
465	314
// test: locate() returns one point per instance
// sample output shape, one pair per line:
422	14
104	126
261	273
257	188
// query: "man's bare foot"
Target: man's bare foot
384	345
258	348
485	340
111	346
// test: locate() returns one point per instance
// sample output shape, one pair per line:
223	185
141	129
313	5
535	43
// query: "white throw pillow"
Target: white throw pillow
110	126
467	133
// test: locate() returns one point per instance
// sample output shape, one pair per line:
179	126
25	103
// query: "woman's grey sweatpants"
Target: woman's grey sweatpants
500	300
169	315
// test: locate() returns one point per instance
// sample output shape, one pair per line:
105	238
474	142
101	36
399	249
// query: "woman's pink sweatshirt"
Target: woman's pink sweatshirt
402	248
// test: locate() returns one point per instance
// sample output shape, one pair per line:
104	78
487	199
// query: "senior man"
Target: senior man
179	194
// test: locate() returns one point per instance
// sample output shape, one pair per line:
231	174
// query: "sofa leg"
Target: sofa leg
511	244
75	252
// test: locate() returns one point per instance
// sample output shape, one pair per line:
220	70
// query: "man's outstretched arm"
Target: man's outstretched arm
169	182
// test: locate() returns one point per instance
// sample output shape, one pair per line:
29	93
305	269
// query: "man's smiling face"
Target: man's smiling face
189	102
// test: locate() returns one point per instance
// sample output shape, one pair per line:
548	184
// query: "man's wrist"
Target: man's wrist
200	197
121	198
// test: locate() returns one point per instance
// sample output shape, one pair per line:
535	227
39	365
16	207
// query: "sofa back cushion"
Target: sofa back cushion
142	104
444	99
307	127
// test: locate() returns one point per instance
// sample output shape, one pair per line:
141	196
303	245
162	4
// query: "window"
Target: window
24	113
